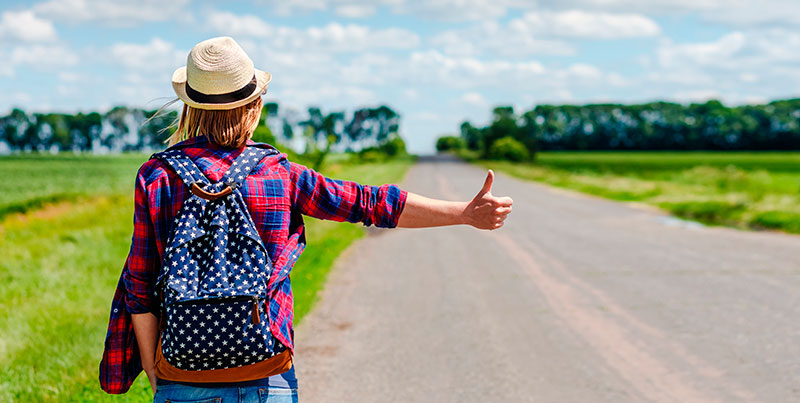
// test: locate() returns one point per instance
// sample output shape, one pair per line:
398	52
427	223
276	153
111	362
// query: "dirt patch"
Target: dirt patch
49	211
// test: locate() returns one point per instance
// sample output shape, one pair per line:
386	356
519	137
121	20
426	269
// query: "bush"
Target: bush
709	211
394	146
783	220
449	143
371	154
510	149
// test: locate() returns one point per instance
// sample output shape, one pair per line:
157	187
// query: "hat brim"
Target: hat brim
179	85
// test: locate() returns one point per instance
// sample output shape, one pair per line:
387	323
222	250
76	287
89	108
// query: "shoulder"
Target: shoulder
151	171
276	162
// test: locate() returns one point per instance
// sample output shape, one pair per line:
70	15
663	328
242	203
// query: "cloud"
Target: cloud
748	14
44	57
474	99
434	70
493	39
542	33
109	12
26	26
333	37
442	10
6	70
239	25
739	66
752	53
455	10
355	11
587	25
155	56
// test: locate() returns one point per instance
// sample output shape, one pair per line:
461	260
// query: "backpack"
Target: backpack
215	272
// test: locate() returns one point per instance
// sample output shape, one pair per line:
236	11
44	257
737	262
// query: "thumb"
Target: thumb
487	184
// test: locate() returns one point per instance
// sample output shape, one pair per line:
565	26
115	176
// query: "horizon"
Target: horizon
437	64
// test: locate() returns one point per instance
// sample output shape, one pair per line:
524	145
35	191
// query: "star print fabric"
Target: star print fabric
217	334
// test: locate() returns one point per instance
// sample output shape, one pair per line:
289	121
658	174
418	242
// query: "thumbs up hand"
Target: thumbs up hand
487	211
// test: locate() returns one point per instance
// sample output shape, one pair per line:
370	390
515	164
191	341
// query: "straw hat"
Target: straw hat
219	75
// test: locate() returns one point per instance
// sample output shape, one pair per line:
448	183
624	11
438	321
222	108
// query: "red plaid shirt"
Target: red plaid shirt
277	193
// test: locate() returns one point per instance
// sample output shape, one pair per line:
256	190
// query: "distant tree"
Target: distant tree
263	133
708	125
322	132
473	136
508	148
449	143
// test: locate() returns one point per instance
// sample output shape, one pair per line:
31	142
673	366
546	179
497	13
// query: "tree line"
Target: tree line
651	126
367	131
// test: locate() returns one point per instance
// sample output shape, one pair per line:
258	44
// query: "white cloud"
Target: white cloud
26	26
746	13
6	70
432	67
333	37
583	24
44	57
739	66
742	54
708	53
735	13
584	71
542	32
455	10
329	95
441	10
494	39
155	56
411	94
117	13
474	99
239	25
355	11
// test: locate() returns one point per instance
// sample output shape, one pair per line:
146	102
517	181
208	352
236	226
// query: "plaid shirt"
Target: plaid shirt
277	193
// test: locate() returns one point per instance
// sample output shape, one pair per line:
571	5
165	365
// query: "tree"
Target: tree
322	132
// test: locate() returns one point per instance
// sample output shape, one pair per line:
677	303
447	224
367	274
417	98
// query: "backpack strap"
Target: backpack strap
245	163
182	165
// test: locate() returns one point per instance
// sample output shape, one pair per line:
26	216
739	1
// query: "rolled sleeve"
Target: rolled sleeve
340	200
141	267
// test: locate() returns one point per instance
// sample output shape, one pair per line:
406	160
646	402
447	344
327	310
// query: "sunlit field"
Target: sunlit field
756	190
64	234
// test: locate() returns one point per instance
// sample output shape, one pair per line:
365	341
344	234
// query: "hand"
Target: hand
151	375
486	211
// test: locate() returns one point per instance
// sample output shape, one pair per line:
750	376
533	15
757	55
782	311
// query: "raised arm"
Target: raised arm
320	197
484	211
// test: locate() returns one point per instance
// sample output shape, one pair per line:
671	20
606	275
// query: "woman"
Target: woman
222	91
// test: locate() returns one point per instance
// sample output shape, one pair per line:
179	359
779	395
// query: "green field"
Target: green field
62	258
756	190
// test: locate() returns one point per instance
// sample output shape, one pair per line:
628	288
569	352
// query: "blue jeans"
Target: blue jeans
179	393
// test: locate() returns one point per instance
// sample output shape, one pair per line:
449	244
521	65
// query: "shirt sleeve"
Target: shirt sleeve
340	200
141	267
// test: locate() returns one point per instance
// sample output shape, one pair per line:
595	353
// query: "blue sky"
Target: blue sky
437	62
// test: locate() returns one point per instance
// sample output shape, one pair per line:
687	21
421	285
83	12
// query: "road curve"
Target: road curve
575	299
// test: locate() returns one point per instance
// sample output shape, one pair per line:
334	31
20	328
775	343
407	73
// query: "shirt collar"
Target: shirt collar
203	140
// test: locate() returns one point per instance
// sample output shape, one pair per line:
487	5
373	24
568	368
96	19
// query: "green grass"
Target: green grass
34	180
755	190
60	266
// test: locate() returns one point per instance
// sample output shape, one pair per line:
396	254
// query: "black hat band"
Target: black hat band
226	98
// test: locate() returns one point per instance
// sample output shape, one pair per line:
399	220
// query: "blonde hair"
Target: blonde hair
227	128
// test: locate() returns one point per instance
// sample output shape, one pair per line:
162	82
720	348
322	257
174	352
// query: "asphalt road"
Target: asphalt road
575	299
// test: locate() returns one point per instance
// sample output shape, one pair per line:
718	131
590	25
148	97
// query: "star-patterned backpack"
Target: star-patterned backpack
215	272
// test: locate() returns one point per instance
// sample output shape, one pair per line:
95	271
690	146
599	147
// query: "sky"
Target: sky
436	62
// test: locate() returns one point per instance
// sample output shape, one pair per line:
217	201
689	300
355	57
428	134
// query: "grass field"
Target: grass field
740	189
61	262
